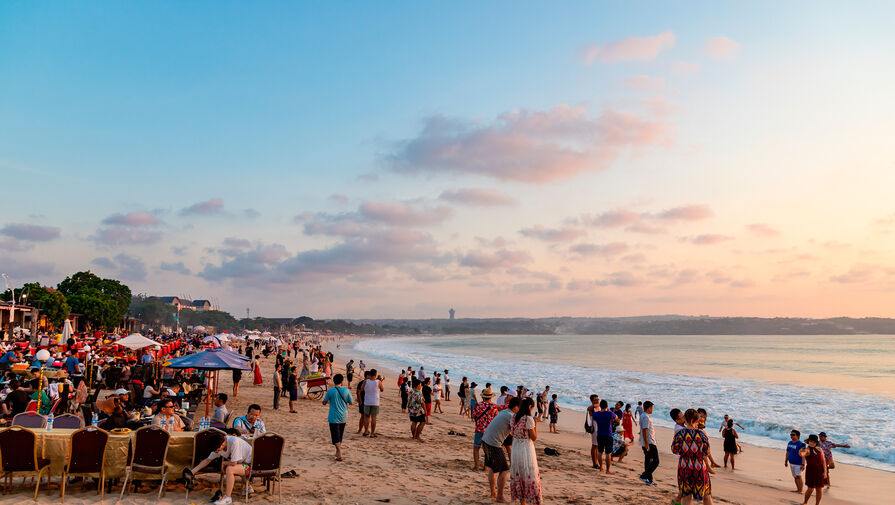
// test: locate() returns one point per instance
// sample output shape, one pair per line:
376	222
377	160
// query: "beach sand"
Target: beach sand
394	469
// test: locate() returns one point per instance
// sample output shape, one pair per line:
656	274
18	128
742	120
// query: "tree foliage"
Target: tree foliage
51	303
104	302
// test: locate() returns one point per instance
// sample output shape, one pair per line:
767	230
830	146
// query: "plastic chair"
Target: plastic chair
148	457
267	455
202	447
68	422
86	457
18	454
29	420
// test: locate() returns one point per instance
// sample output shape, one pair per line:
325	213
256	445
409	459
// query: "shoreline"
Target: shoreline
758	467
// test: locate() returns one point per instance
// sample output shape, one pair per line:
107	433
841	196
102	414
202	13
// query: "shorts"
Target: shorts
417	419
593	437
428	409
604	444
796	470
371	410
495	458
246	469
293	395
477	440
360	408
620	452
336	431
554	418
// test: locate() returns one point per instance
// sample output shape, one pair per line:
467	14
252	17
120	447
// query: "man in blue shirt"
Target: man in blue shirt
602	420
339	399
147	358
251	423
793	459
71	363
9	358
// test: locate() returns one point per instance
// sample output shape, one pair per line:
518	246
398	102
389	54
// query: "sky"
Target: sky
506	159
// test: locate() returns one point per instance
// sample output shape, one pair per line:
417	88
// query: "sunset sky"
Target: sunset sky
502	158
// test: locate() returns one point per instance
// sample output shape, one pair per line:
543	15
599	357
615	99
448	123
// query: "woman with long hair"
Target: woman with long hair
815	469
525	478
692	445
256	369
730	444
628	422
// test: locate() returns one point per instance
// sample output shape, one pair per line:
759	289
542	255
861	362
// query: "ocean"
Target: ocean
841	384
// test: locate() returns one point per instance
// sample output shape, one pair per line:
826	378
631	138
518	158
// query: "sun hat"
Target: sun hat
487	395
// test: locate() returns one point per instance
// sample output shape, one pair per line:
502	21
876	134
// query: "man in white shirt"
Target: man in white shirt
237	461
372	387
648	444
447	387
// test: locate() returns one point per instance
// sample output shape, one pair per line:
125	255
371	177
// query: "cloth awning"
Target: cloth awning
136	341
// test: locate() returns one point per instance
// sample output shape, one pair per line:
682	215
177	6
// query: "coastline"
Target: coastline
760	471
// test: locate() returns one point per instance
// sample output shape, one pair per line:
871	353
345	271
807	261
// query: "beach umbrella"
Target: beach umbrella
211	360
66	331
213	339
137	341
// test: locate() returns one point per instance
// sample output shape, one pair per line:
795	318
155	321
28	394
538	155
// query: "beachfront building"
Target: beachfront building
184	304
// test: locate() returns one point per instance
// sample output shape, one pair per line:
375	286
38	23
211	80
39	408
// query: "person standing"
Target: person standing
237	377
495	435
648	444
427	398
525	478
349	371
628	422
359	391
471	398
828	446
461	393
482	415
602	423
417	410
277	387
815	469
436	397
339	399
730	444
793	458
692	445
553	411
372	387
292	384
405	393
447	387
258	380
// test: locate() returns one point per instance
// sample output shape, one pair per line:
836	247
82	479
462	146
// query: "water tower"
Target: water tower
451	312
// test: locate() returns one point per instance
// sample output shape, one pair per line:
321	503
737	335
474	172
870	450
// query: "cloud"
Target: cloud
478	196
564	234
339	198
630	49
618	279
708	239
132	219
179	250
721	48
399	214
122	235
645	83
762	229
527	146
239	243
604	250
208	207
857	274
13	245
502	258
611	219
686	213
178	267
124	266
245	264
30	232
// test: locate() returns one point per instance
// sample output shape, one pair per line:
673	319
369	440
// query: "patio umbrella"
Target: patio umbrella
136	341
213	339
211	360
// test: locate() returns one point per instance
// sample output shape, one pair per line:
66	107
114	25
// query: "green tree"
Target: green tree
51	303
104	302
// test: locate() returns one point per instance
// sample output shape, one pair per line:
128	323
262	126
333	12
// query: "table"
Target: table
55	445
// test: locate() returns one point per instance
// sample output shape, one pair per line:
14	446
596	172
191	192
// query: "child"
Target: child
553	411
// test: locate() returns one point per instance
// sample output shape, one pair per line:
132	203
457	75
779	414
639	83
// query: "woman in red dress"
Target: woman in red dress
815	469
257	370
628	422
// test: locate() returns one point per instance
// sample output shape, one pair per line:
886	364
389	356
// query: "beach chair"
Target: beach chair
267	456
86	457
29	420
150	448
18	454
68	422
201	449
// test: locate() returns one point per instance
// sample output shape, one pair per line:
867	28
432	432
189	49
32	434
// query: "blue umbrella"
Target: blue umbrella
212	359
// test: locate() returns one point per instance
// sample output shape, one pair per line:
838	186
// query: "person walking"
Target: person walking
338	398
691	444
525	478
602	423
372	387
815	469
277	387
793	458
416	409
482	415
730	444
648	444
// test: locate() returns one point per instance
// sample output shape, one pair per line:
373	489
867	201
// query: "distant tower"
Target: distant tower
452	312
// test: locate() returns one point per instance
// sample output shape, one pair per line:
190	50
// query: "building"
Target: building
201	305
184	304
451	312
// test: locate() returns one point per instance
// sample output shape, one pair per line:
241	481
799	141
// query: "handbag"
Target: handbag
588	428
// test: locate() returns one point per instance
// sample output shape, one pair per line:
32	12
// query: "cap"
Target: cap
121	391
822	434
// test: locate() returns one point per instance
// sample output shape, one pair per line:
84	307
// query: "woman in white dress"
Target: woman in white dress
436	397
525	479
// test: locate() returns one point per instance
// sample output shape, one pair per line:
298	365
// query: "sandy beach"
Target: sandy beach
394	469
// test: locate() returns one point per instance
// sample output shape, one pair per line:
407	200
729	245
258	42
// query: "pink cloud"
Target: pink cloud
762	229
605	250
630	49
528	146
400	214
721	48
708	239
134	219
645	83
213	206
857	274
611	219
478	196
502	258
686	213
564	234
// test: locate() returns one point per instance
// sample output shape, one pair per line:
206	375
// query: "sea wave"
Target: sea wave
768	411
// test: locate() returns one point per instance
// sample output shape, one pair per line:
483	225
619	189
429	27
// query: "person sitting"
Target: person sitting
251	423
221	412
166	418
16	401
237	460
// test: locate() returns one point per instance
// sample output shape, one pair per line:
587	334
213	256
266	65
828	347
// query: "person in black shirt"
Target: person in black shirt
427	397
16	401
